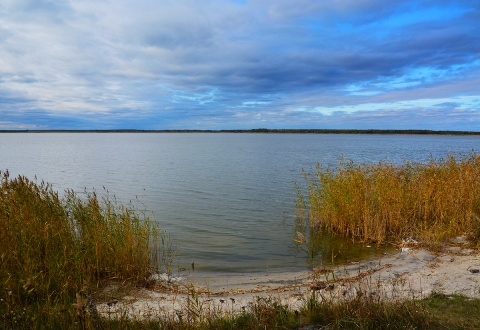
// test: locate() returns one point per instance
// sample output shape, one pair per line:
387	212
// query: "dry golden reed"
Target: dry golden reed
384	202
54	249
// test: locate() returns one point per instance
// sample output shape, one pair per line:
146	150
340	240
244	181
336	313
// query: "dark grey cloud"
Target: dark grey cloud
181	64
291	65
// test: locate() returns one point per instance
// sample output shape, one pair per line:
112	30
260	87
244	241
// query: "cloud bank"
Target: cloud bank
219	64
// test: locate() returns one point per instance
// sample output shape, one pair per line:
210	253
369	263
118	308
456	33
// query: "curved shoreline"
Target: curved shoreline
410	274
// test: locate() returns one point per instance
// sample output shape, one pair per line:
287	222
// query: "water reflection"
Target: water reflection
321	248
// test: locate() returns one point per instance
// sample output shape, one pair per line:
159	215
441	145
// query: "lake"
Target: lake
227	200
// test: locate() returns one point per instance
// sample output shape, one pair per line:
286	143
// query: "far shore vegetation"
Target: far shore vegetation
258	130
56	252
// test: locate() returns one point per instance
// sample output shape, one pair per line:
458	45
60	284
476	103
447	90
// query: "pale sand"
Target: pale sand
413	273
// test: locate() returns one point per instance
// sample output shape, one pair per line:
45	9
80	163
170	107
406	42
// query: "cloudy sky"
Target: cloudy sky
225	64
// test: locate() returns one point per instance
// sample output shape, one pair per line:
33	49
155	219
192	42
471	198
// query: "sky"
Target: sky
232	64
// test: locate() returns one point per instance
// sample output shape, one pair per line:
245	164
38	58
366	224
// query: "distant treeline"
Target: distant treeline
261	130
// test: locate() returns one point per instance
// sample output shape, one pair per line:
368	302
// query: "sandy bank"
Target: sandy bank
413	273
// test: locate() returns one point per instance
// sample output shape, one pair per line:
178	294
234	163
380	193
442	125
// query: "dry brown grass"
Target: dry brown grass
382	202
55	252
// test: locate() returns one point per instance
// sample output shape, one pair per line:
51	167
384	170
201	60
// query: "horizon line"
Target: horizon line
254	130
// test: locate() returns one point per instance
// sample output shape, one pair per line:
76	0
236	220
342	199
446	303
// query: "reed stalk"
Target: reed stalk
384	202
55	252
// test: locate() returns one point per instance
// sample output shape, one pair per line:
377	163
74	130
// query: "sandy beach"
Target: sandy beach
411	273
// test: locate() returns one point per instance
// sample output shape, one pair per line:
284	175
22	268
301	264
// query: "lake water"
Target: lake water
227	200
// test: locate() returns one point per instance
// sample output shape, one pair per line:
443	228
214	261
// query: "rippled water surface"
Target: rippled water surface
226	199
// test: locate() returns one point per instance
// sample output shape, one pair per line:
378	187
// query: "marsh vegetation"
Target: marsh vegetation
381	203
55	253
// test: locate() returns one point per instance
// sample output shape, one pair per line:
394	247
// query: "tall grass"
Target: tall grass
382	202
55	252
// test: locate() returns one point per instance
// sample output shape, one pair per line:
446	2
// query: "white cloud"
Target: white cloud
266	57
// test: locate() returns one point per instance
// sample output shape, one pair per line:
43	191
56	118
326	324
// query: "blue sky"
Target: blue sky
225	64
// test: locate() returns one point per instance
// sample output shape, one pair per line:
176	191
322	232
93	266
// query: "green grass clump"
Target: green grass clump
55	252
384	202
453	311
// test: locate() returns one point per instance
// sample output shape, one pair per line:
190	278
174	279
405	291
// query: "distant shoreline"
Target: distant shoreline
260	130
